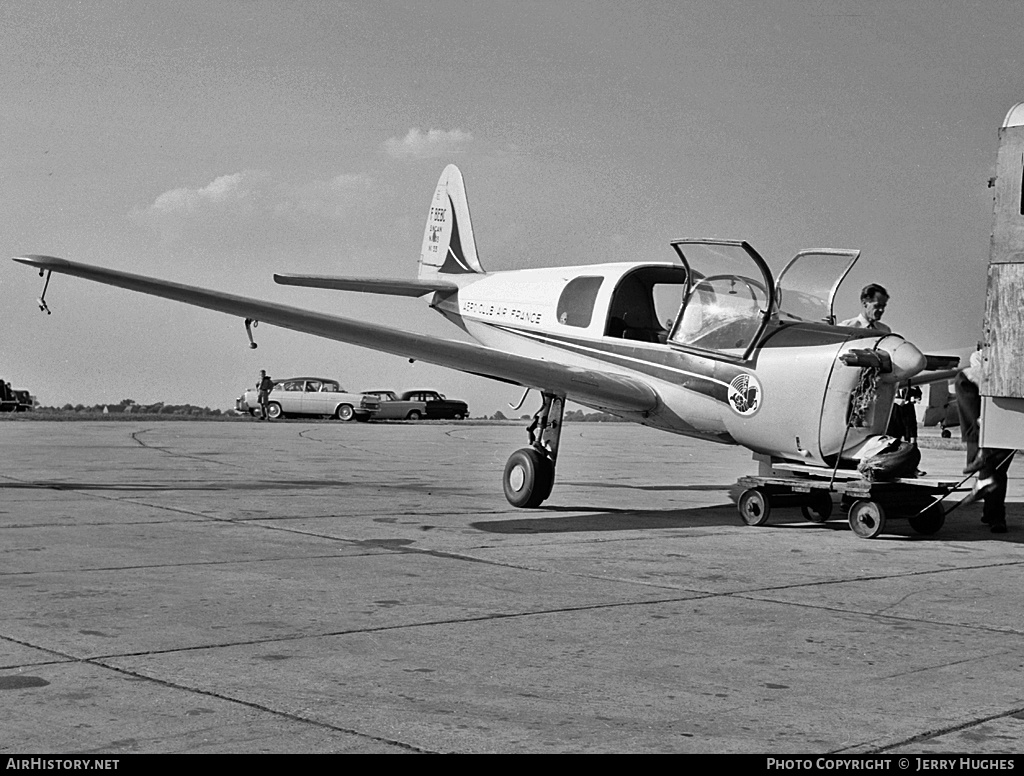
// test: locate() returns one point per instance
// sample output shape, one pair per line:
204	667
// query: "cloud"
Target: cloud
426	145
255	193
220	192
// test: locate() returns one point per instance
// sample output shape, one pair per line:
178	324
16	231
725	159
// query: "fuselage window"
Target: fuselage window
576	304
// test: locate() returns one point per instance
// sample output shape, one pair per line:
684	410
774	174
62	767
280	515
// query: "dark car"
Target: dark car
436	406
12	400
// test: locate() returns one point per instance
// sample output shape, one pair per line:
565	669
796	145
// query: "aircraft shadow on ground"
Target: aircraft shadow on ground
963	524
603	519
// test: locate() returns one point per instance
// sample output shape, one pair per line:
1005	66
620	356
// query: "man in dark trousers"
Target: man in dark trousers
263	388
989	463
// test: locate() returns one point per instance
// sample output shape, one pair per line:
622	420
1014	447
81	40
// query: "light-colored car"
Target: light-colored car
311	396
394	408
414	405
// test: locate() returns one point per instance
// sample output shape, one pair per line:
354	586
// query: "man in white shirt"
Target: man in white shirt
873	298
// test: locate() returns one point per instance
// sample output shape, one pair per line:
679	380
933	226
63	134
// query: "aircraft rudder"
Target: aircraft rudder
449	247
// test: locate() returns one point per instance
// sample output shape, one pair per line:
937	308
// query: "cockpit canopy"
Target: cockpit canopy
720	299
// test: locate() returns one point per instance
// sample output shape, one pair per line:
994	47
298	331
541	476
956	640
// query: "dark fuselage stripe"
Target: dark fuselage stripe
632	358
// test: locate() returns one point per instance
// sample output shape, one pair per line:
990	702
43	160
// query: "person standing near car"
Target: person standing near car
263	388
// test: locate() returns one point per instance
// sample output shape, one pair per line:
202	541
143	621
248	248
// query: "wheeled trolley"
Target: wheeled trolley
871	503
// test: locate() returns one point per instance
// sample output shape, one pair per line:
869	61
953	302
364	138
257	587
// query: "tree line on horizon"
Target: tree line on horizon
130	406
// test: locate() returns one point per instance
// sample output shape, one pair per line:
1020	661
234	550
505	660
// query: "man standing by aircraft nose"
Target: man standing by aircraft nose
873	298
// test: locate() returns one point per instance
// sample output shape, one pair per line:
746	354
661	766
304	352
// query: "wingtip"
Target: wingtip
38	260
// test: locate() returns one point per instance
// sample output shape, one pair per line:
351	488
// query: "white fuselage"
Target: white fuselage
789	398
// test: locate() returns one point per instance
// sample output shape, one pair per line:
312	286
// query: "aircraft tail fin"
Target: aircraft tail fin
448	244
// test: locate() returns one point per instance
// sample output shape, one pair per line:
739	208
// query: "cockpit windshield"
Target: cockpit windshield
730	296
806	288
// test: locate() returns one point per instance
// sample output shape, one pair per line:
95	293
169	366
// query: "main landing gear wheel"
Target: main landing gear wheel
930	521
528	478
274	411
867	519
754	506
345	412
819	510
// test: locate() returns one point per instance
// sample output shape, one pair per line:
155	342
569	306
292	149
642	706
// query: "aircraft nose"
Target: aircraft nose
907	360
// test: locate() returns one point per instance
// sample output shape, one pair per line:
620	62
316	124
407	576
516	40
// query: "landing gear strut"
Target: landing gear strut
530	472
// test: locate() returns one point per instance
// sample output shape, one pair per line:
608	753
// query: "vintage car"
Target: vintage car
12	400
310	396
413	405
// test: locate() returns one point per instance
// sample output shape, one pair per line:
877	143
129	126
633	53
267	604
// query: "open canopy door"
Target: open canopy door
730	297
806	287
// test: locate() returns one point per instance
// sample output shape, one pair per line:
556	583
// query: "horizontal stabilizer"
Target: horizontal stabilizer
592	387
367	285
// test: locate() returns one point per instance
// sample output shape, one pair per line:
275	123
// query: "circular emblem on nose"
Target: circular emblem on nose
745	394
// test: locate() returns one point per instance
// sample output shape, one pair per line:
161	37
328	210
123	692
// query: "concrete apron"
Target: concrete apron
327	587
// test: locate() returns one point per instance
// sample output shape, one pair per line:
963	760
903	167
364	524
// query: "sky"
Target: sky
217	142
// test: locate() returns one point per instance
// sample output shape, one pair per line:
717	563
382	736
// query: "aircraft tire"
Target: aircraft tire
274	411
819	510
528	478
928	522
867	519
754	506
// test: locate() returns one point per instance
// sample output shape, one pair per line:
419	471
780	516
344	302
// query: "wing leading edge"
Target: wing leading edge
587	386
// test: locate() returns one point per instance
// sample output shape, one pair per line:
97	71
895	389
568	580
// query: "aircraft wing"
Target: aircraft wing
938	369
367	285
590	387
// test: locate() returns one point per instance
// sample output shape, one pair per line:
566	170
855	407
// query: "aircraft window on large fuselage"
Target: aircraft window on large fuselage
576	303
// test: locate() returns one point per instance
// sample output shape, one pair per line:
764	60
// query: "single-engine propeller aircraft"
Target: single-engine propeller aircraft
706	343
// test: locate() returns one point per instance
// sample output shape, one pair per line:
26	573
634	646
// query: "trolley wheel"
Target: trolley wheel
930	521
820	508
754	506
867	519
